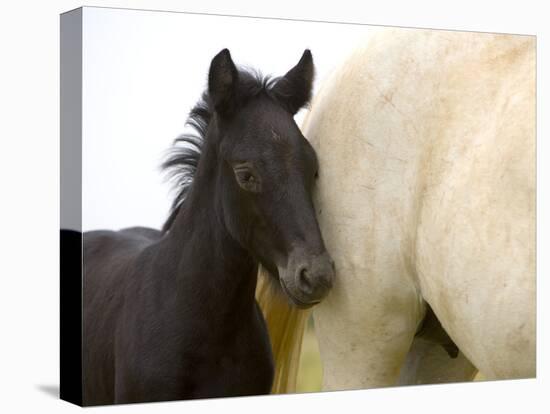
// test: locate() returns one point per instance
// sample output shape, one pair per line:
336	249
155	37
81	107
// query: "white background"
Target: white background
144	71
29	162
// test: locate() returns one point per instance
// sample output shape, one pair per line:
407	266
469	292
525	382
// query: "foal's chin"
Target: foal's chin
278	287
298	302
296	298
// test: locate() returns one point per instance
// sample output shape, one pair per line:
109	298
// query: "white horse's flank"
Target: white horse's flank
426	142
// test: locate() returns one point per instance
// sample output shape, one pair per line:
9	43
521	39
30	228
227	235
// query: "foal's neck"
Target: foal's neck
210	260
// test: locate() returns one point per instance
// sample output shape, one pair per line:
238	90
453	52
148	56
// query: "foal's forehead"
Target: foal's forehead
272	123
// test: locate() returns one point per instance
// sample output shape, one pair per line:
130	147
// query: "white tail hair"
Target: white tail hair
286	325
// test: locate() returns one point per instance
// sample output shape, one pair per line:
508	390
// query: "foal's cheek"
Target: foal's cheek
264	244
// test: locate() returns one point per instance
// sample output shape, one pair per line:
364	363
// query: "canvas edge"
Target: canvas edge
71	378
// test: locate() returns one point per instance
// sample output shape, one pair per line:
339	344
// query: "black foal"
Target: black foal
172	315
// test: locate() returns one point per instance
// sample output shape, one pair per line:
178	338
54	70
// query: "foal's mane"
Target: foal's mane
183	158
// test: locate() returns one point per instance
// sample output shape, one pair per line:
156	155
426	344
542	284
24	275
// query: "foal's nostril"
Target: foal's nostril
332	265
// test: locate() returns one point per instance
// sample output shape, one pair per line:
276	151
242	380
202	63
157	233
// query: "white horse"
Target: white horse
426	195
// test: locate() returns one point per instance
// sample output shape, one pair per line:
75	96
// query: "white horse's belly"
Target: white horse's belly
426	146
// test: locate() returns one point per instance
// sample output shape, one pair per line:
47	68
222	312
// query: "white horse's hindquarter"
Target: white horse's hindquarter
426	143
475	250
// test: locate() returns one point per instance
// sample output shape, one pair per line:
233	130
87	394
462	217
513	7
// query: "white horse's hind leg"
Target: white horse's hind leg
367	323
363	341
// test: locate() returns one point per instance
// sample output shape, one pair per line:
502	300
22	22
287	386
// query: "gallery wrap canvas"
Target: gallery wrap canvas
255	206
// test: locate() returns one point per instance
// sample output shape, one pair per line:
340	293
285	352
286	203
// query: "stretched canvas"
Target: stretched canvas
254	206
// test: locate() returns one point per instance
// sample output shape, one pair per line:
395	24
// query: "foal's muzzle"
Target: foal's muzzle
307	279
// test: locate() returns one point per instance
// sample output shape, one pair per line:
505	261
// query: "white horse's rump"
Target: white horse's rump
426	193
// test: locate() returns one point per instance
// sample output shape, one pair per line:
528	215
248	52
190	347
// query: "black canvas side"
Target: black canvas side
71	316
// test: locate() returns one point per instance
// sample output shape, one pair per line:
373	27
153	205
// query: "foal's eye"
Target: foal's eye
316	176
246	179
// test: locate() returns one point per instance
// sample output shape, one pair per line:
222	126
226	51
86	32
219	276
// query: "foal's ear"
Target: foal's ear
294	89
222	82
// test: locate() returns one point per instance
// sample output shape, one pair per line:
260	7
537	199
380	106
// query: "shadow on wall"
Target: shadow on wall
49	389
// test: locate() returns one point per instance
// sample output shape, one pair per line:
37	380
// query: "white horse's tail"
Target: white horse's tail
286	325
